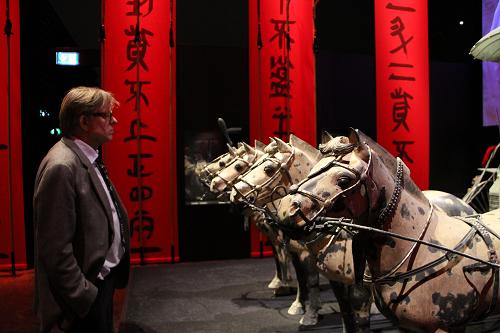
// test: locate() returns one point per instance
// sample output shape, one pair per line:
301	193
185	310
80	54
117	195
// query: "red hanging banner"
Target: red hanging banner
402	81
12	237
282	78
138	67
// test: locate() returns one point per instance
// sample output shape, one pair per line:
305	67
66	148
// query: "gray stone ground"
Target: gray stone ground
228	296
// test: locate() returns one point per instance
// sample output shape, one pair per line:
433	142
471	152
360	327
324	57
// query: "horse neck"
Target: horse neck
411	217
301	166
412	206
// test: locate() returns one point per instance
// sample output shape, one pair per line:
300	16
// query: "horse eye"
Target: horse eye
222	164
238	167
343	182
269	170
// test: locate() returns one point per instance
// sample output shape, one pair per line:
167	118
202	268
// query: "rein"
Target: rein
328	203
209	174
331	224
283	169
229	183
322	225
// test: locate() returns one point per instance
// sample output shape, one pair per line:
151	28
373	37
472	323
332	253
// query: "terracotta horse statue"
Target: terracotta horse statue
430	272
224	178
220	176
261	188
277	171
211	169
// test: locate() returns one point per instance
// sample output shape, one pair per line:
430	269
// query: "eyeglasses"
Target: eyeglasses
105	115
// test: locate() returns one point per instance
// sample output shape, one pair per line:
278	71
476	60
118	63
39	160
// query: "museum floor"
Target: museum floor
198	297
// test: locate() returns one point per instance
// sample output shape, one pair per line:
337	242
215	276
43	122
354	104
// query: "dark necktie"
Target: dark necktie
99	163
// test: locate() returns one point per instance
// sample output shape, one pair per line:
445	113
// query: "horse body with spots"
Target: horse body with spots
430	272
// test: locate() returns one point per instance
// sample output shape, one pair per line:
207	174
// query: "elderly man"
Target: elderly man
81	226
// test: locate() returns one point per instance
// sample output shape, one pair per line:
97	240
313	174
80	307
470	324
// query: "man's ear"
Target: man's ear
84	122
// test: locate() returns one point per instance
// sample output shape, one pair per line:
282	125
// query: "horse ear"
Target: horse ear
249	149
259	145
326	137
231	149
283	147
306	148
354	136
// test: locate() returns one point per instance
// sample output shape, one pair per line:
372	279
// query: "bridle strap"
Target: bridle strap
211	175
283	170
310	223
230	183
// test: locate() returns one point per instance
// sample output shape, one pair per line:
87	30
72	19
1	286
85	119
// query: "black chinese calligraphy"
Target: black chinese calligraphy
136	6
137	47
400	108
142	220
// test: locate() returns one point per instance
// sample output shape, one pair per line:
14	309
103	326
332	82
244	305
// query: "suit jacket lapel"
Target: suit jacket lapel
94	178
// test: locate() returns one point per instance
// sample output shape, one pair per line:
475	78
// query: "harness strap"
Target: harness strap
493	258
448	256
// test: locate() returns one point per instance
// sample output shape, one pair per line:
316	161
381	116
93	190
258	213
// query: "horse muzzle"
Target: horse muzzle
217	185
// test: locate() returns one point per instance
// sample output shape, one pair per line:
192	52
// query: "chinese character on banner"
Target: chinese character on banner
402	83
137	65
282	78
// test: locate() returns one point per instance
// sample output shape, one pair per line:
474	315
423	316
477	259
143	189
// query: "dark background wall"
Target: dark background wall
345	77
212	82
47	25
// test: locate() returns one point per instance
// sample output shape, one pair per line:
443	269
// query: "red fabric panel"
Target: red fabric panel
11	201
282	79
402	81
142	156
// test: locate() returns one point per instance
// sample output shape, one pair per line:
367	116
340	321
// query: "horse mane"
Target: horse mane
311	152
390	163
339	145
271	148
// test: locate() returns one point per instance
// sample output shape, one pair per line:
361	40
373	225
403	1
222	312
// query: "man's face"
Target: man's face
101	127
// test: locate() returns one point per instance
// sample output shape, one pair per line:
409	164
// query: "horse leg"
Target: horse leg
276	281
282	281
354	303
308	294
313	305
361	300
341	293
298	306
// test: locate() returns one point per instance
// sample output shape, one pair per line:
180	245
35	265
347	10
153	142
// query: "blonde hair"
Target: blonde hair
83	101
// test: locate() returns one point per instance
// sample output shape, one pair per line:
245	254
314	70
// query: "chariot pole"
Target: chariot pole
8	33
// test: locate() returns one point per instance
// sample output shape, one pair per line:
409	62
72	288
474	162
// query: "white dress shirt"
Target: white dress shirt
116	251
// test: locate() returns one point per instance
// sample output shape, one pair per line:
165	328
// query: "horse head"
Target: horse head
209	171
356	179
226	176
282	165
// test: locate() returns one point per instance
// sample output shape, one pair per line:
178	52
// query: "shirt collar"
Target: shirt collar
87	150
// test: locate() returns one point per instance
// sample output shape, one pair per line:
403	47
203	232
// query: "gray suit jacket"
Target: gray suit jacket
73	232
